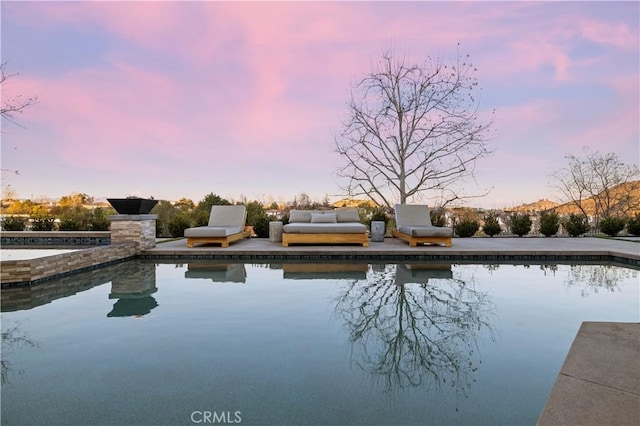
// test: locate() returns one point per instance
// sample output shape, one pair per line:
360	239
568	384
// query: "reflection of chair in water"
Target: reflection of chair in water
420	273
310	271
221	272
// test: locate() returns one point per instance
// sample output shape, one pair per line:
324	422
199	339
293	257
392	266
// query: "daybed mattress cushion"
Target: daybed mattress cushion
426	231
212	231
325	228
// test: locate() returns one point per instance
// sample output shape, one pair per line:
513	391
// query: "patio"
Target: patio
473	250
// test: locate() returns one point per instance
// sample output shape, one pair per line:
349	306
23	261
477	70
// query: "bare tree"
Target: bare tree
12	106
413	129
599	184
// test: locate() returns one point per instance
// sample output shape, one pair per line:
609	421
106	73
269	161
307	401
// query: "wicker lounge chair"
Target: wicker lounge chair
413	223
226	224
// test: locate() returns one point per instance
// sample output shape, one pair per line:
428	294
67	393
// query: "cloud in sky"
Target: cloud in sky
180	99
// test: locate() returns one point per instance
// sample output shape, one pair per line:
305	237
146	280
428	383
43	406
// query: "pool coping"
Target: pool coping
599	382
471	250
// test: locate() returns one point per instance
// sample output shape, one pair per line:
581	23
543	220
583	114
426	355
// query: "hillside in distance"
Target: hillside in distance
627	193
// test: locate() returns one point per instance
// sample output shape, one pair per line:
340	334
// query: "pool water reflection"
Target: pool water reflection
294	343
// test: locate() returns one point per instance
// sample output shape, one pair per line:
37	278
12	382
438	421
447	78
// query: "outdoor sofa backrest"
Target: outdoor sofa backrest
324	216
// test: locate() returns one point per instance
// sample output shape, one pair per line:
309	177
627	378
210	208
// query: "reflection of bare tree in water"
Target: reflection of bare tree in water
415	334
11	338
593	278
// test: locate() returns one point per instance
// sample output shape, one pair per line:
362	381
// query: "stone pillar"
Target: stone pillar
139	228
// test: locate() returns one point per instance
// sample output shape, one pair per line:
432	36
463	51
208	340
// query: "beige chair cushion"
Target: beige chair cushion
412	214
212	231
228	216
426	231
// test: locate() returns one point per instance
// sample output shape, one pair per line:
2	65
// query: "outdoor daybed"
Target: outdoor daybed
226	224
324	227
413	223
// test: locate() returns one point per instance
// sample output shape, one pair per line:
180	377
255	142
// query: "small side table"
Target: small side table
377	231
275	231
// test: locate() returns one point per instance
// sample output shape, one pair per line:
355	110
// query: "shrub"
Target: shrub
99	220
261	226
466	228
437	218
74	219
520	224
576	224
549	223
43	223
491	225
178	224
611	225
254	212
203	209
165	211
13	223
200	217
379	215
70	224
633	225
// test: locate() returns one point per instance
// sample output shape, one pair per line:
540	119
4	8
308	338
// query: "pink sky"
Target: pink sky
173	99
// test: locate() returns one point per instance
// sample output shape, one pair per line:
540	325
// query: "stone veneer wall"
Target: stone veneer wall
19	272
139	228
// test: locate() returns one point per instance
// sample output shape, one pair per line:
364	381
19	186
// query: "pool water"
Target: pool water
140	343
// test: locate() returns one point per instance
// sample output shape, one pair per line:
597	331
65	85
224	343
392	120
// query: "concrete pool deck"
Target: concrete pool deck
599	383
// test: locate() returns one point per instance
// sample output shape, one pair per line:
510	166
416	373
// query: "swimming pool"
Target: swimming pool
299	343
